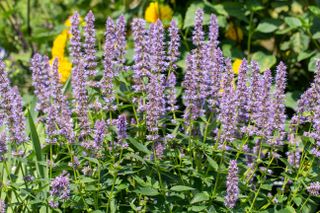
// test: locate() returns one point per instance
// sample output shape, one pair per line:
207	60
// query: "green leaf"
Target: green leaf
290	101
139	146
212	163
288	209
312	63
36	144
265	61
292	22
299	42
266	27
197	208
315	10
202	196
181	188
304	55
149	191
316	35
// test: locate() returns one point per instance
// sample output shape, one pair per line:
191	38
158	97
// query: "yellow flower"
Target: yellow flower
59	45
236	65
64	68
234	32
155	11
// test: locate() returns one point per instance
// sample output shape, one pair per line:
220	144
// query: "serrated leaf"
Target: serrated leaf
212	163
139	146
266	27
181	188
202	196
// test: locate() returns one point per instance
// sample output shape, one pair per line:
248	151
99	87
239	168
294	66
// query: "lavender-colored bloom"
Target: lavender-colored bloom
108	73
242	93
60	187
232	185
75	40
17	130
277	108
253	91
3	145
40	75
141	56
198	34
227	115
174	44
156	51
61	111
2	206
53	204
81	102
159	149
171	95
155	106
294	158
314	188
213	32
51	129
120	51
99	133
89	45
122	130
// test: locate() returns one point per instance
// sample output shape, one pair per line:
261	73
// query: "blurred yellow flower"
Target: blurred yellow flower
59	45
234	32
236	65
64	68
155	11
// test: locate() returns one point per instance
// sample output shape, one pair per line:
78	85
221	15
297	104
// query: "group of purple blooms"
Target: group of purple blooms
241	108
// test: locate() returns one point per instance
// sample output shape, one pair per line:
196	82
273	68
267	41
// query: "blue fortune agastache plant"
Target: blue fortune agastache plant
151	136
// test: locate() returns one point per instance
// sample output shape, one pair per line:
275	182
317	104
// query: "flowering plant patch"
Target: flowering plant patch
148	137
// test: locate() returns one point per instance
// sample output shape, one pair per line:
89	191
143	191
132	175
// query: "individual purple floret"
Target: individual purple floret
60	187
155	106
198	34
314	188
156	51
174	44
3	145
277	108
120	51
18	128
108	60
232	185
89	46
171	95
2	206
122	130
41	81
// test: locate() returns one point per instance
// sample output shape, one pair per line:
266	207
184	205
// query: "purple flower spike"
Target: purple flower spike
314	189
242	92
75	40
60	187
121	41
174	44
89	45
2	206
171	95
213	32
3	145
41	81
99	134
157	53
198	34
232	185
122	130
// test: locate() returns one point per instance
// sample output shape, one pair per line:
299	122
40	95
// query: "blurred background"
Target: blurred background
264	30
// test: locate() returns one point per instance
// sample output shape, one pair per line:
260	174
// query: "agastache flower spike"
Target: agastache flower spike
242	92
2	206
40	75
122	130
3	145
213	32
121	41
157	53
253	90
108	73
60	187
314	188
75	40
171	95
89	45
173	49
232	185
99	134
198	34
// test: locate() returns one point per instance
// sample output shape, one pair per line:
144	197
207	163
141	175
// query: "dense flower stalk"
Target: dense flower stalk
242	93
75	40
141	57
121	41
174	44
60	187
122	130
89	45
171	94
2	206
155	106
81	102
232	185
40	80
314	188
213	32
253	91
198	34
3	145
156	51
99	134
108	61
